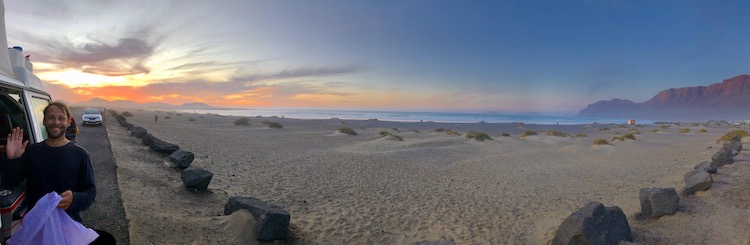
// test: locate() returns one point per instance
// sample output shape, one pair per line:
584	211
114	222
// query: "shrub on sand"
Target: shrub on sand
191	120
634	131
386	134
528	133
447	131
556	133
604	129
664	126
167	117
242	121
601	142
127	114
727	137
479	136
347	130
703	130
414	130
639	126
178	114
684	130
629	136
275	125
505	134
579	135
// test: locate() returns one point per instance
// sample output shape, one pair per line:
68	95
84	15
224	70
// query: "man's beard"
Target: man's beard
50	135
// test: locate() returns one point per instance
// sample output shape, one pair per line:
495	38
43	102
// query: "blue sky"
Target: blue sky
508	56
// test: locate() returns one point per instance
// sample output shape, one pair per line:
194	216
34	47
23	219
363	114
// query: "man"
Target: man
54	164
72	130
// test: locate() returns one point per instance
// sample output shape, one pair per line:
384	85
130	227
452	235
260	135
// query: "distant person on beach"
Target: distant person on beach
156	118
54	164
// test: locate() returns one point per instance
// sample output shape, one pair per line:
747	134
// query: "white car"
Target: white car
91	116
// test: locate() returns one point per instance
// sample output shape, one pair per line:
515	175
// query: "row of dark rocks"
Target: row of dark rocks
596	224
272	222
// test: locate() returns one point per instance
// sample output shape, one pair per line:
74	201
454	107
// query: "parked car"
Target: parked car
91	116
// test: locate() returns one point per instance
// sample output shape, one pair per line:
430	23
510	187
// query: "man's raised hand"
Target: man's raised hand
14	148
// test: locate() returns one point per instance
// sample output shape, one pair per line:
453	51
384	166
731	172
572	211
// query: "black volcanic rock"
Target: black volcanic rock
729	99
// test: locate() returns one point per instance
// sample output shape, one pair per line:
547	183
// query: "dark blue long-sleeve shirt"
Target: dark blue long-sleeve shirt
47	169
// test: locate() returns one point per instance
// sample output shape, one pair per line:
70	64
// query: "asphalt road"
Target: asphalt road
107	213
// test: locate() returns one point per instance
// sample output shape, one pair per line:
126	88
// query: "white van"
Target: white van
22	101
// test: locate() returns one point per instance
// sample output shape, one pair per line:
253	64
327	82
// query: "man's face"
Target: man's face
56	122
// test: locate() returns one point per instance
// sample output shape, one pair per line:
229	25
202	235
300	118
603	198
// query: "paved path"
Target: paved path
107	213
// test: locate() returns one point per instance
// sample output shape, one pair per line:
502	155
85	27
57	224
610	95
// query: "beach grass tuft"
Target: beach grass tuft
579	135
242	121
664	126
347	130
727	137
634	131
556	133
684	130
629	136
528	133
604	129
505	134
601	142
275	125
703	130
479	136
191	120
386	133
127	114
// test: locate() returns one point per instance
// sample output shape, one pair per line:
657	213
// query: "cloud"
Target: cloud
124	58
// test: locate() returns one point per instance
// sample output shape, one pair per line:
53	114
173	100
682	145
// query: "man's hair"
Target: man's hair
61	105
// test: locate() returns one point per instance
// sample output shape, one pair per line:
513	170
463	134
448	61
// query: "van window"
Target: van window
12	113
39	105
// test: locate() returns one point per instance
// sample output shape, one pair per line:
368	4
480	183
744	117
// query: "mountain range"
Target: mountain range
98	102
728	100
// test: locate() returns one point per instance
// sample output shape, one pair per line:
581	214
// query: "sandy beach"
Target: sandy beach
366	189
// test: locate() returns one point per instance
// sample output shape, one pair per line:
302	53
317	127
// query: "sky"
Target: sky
552	57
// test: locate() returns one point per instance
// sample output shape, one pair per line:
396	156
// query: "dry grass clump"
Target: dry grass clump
629	136
654	130
703	130
127	114
664	126
386	133
178	114
639	126
736	133
520	125
275	125
604	129
556	133
272	124
447	131
684	130
505	134
601	142
167	117
579	135
634	131
414	130
529	133
347	130
242	121
479	136
191	120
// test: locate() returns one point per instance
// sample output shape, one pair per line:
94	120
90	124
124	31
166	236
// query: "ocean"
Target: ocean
404	116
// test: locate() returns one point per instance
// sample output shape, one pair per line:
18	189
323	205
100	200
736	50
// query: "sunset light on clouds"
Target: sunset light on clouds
506	56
